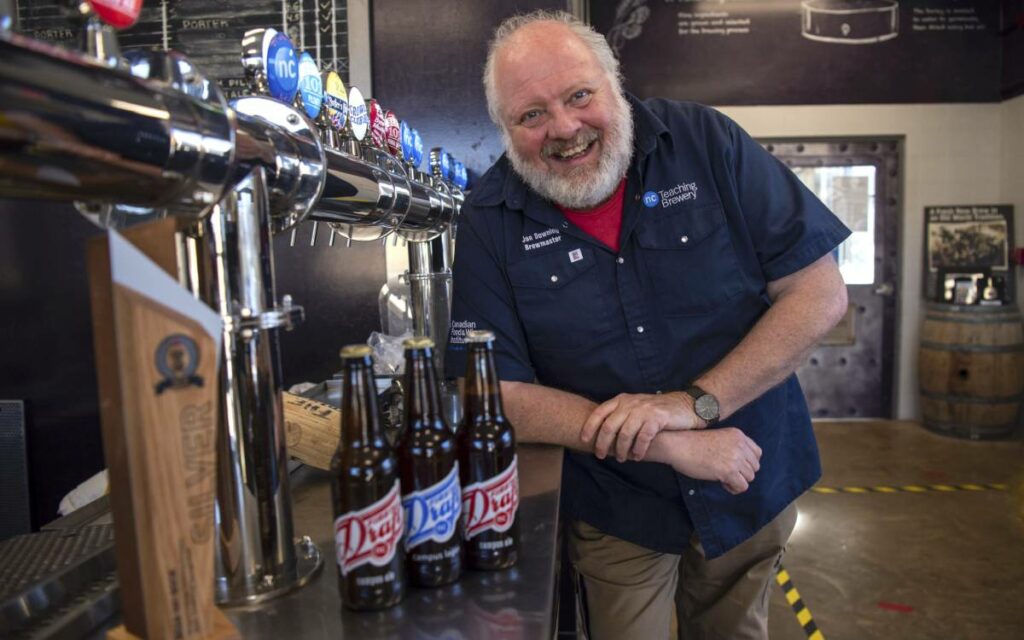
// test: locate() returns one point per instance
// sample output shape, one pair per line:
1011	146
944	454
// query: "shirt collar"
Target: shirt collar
502	184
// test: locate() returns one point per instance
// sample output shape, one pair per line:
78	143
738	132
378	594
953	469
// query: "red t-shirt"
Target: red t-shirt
603	221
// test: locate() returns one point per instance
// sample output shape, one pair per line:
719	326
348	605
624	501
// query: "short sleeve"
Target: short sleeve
482	299
789	226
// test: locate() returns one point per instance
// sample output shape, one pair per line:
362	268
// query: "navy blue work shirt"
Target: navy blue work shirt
710	218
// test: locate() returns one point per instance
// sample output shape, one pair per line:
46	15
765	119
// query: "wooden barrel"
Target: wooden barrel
971	370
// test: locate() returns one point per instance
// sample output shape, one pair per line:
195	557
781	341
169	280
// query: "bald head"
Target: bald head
521	40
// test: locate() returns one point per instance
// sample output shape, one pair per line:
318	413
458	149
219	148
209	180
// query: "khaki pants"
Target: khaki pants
628	591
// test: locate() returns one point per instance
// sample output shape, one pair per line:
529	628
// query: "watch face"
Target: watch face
706	406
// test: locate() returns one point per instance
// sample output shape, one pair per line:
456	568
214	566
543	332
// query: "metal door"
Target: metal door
850	373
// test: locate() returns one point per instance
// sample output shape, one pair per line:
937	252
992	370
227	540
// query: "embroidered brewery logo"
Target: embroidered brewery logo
682	192
177	359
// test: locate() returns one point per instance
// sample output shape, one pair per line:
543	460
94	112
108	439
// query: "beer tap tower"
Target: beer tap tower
158	140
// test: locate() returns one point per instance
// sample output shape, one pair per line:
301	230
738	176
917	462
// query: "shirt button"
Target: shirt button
636	197
684	239
691	492
554	278
620	259
565	225
658	392
640	329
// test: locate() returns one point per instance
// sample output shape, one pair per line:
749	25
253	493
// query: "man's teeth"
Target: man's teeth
574	151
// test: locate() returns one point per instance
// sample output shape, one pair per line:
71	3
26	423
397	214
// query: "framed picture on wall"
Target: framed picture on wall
968	239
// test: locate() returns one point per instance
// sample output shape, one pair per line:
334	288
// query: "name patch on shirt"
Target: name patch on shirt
457	334
541	239
682	192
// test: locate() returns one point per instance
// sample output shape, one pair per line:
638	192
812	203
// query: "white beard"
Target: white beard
584	188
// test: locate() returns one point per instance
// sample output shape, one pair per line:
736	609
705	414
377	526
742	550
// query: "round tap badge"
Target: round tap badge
268	36
310	85
335	100
119	14
461	178
358	119
393	133
405	131
282	68
444	162
417	148
377	128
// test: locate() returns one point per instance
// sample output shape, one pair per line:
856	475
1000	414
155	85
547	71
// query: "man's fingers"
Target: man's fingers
624	442
596	417
735	484
609	429
644	439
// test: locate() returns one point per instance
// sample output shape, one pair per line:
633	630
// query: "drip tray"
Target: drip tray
58	583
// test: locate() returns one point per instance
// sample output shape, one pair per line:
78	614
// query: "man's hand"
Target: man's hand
726	455
629	421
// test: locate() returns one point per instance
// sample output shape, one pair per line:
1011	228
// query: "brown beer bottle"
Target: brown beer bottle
368	518
487	463
432	497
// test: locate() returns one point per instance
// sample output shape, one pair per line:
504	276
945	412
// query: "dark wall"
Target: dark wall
46	357
428	58
1013	49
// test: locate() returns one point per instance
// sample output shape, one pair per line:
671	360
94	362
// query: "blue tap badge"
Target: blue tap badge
461	177
444	162
417	148
449	173
406	136
310	85
282	68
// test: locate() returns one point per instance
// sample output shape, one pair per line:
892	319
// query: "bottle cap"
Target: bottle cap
335	100
418	342
353	351
358	119
119	14
479	335
282	68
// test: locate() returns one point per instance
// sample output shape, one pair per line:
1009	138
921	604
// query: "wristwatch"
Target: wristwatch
705	405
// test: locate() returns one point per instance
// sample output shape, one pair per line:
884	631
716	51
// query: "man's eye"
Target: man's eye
529	116
581	95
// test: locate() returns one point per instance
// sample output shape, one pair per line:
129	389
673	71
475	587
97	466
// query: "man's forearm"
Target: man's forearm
780	341
543	414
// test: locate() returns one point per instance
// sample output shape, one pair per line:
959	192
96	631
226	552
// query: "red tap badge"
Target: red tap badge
393	133
119	14
378	130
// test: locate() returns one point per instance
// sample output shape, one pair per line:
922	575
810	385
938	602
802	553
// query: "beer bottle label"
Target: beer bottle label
491	505
433	513
370	535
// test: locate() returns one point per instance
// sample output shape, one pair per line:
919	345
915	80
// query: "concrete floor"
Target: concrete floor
933	564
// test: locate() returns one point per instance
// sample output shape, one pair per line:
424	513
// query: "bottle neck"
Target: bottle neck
483	392
422	397
360	418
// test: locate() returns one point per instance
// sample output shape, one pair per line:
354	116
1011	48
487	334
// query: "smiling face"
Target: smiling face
565	123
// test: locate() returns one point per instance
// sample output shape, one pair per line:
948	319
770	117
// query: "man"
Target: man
653	278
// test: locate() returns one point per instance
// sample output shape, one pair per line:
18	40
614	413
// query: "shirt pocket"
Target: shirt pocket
560	302
690	260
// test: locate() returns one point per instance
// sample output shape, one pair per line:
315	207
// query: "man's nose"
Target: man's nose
564	124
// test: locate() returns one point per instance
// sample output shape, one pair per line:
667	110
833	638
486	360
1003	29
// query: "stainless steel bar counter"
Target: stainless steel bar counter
520	602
